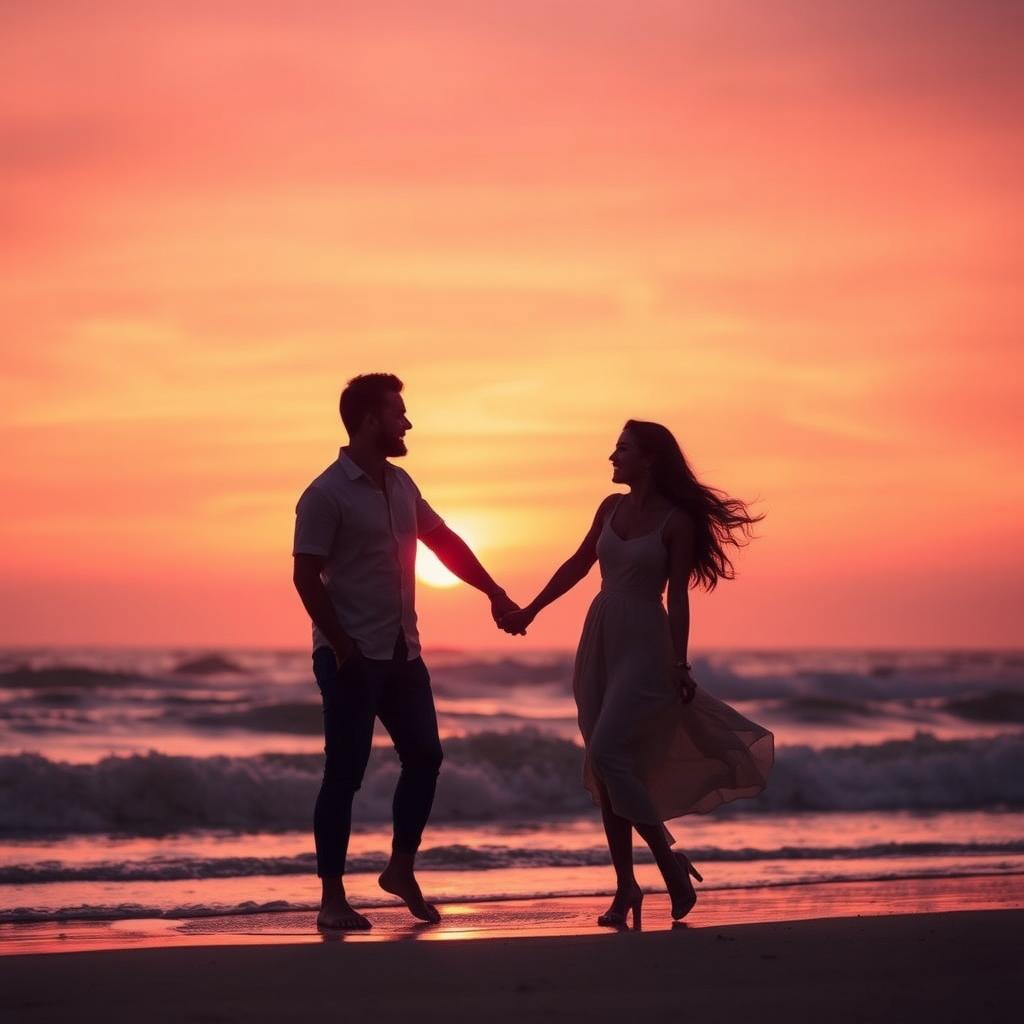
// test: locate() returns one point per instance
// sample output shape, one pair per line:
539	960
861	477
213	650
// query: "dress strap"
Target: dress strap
664	522
610	514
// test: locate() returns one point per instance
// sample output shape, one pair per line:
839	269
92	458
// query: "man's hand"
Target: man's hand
517	621
501	605
344	652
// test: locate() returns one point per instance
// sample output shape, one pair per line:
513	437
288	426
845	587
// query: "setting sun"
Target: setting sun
601	287
429	568
784	271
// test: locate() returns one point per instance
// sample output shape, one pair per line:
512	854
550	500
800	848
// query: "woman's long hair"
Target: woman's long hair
718	519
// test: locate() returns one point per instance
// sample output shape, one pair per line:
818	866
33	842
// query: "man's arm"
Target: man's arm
456	556
317	602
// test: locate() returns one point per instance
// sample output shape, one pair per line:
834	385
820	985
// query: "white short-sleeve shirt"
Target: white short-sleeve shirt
368	537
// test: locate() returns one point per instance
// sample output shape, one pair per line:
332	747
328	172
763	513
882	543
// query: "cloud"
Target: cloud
781	229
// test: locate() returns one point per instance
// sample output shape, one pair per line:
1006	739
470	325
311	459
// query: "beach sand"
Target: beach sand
935	967
545	959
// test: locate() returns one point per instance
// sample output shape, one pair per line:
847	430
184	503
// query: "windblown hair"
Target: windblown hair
718	520
364	395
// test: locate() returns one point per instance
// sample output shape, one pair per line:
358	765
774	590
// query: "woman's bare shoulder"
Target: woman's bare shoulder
607	504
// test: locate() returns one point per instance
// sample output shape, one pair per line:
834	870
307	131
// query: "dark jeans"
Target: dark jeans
398	693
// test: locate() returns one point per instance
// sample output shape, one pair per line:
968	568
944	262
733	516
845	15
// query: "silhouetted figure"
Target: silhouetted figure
657	747
356	530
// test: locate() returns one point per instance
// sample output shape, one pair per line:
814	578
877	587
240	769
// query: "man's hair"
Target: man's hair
363	395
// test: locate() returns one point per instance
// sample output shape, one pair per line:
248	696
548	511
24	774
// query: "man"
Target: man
356	529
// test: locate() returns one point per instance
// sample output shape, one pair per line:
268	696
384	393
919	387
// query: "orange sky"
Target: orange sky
788	231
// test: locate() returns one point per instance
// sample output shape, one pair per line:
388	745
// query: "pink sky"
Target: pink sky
788	231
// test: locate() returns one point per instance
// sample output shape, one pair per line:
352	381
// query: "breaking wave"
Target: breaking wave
189	911
459	857
488	776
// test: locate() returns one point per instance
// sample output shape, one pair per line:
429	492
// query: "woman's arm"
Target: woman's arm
566	576
679	537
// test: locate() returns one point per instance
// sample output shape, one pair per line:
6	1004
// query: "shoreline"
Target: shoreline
528	917
935	967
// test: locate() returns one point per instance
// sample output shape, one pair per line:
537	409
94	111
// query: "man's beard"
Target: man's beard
392	447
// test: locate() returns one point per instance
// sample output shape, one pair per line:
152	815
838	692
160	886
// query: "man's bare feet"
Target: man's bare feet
399	880
337	914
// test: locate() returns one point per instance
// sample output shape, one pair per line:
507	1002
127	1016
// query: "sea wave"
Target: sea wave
67	677
838	676
307	719
487	776
141	911
304	719
923	773
208	665
864	680
191	911
999	706
458	857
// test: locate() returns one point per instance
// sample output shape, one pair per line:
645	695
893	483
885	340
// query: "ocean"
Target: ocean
180	783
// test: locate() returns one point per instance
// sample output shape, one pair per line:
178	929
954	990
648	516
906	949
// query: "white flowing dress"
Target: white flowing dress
657	757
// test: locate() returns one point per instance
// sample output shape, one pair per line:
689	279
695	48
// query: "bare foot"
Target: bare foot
337	915
403	884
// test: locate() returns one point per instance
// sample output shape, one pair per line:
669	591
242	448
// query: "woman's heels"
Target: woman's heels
681	907
614	918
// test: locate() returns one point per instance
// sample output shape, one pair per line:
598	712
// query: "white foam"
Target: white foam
490	776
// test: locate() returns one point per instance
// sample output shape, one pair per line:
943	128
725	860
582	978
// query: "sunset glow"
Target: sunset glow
785	231
429	570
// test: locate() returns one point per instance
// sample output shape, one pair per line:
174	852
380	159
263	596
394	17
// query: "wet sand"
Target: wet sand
531	918
961	966
917	952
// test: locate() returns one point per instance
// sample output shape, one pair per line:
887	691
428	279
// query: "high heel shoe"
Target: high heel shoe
613	918
680	908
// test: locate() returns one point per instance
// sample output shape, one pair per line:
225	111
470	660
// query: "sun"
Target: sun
429	569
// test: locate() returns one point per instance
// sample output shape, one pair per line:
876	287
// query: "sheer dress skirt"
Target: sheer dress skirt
657	757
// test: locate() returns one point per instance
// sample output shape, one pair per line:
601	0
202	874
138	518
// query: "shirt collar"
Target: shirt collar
352	470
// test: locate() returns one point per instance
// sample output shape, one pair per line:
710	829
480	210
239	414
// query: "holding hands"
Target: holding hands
502	607
516	622
508	616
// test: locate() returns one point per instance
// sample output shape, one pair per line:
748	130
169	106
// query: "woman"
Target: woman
657	747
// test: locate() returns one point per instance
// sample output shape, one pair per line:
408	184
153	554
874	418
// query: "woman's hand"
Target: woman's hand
517	621
686	683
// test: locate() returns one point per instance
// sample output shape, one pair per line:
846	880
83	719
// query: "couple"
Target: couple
657	747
